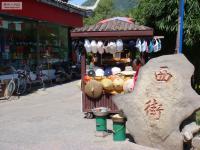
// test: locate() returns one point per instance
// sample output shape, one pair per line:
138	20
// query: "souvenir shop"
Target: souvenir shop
19	42
36	38
114	50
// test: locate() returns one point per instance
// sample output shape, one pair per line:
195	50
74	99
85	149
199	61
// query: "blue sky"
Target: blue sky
77	2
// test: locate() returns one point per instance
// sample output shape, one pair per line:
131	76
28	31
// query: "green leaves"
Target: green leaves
163	15
110	8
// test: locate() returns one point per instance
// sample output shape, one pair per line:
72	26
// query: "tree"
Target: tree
109	8
102	12
163	15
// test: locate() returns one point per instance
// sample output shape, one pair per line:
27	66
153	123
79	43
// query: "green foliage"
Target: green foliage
163	15
102	12
109	8
124	5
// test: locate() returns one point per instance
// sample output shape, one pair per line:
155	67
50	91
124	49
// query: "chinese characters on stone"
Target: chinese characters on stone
153	109
163	74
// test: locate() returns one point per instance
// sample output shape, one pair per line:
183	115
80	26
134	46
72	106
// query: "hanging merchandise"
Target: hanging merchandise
159	45
139	45
132	45
151	47
155	45
116	70
100	47
107	48
94	46
87	46
119	45
143	46
147	47
113	47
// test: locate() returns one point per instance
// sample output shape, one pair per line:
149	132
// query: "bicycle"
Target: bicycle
18	84
10	88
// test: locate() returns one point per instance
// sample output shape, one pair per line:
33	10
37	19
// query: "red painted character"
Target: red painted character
153	109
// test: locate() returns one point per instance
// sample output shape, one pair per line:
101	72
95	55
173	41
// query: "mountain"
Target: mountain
88	3
121	5
109	8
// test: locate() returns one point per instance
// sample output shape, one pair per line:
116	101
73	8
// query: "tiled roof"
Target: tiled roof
113	25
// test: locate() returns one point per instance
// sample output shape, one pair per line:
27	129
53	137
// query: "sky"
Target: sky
77	2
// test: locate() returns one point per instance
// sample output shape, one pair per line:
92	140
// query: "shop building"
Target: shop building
33	30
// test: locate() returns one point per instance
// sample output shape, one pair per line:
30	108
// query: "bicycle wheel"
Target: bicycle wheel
9	89
21	86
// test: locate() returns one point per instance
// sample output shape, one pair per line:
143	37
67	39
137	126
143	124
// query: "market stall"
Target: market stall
109	50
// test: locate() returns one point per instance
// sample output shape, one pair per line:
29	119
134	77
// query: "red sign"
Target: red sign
11	5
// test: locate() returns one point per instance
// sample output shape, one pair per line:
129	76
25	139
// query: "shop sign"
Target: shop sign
11	5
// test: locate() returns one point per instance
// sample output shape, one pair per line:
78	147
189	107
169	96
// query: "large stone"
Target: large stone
196	143
162	99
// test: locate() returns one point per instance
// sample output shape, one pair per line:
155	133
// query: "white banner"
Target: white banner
11	5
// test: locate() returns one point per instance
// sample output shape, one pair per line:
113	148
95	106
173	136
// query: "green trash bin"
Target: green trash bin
119	131
101	123
119	128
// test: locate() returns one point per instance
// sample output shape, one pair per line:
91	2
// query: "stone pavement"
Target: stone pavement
52	120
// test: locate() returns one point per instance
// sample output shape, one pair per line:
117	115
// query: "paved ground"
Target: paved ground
52	120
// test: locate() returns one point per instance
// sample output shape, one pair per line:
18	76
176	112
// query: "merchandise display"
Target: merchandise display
31	43
91	73
128	86
94	46
107	84
128	71
118	84
112	83
112	69
93	89
87	46
113	47
99	72
116	70
119	44
107	72
100	47
122	46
